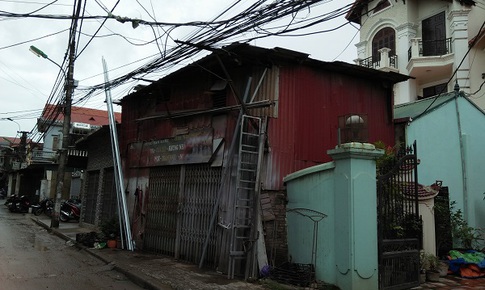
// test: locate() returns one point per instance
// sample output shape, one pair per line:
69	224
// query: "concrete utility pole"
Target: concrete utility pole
23	145
66	125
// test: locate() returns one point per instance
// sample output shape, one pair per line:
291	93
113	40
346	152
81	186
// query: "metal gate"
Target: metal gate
201	183
399	223
109	201
161	220
180	203
90	197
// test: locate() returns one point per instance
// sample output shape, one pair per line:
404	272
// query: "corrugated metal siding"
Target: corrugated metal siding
310	102
267	89
281	134
181	97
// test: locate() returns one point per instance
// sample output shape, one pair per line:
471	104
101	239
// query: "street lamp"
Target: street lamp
40	53
12	120
69	87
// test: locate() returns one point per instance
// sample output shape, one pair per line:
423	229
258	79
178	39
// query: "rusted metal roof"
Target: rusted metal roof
238	54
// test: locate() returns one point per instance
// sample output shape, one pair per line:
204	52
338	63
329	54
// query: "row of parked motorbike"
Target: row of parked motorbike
70	209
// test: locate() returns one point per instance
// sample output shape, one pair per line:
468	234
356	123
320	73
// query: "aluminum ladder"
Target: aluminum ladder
244	207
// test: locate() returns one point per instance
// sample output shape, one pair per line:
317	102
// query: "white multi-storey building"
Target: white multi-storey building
437	42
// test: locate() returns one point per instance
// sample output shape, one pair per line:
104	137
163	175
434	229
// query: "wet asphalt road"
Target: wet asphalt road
31	259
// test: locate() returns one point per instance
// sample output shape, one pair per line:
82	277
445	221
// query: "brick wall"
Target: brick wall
274	223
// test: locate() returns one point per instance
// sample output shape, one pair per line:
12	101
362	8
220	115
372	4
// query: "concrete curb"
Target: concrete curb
50	230
142	280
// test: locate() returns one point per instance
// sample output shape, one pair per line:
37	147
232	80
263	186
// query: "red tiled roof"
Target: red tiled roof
424	192
11	141
80	115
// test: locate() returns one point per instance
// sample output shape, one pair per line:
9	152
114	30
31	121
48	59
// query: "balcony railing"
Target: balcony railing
369	62
376	63
393	61
420	48
77	153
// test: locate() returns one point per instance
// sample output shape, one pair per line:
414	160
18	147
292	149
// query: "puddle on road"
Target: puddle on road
39	245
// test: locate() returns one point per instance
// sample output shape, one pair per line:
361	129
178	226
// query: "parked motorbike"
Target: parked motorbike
10	199
19	204
45	206
70	209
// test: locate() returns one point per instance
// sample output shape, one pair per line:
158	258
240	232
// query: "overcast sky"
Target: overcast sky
26	81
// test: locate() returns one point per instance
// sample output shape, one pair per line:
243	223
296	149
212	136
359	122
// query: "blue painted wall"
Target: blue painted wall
438	138
345	191
313	189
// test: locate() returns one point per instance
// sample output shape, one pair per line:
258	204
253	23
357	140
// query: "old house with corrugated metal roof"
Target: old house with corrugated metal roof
83	122
99	192
206	148
37	180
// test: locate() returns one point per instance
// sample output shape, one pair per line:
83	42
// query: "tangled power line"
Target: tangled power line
287	17
220	32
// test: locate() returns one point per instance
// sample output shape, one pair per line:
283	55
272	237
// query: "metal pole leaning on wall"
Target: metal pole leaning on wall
123	212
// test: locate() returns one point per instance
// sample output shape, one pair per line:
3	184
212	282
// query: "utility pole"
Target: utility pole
23	145
66	125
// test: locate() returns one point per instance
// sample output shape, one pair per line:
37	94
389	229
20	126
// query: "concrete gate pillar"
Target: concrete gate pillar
355	237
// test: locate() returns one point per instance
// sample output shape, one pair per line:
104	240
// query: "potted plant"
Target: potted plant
432	267
422	267
111	231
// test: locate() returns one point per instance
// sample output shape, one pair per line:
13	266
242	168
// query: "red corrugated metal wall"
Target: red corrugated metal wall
310	103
